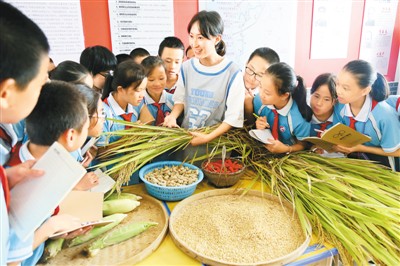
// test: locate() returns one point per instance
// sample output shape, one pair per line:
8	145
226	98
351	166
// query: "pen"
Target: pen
256	116
321	131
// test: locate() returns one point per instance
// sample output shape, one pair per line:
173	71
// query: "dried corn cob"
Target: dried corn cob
119	206
97	231
119	235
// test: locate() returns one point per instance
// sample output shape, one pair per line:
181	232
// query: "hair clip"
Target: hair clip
111	73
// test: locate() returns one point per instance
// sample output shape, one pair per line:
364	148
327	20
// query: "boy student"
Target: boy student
172	52
138	54
61	115
24	61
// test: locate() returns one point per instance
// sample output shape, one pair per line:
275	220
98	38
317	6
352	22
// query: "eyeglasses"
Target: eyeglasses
250	72
105	74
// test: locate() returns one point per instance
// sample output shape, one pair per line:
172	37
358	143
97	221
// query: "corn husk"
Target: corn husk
352	204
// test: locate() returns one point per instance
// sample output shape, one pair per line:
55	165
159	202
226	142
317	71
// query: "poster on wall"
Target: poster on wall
61	21
377	33
253	24
138	23
330	29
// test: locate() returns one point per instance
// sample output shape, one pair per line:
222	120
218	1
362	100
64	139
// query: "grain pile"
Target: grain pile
239	230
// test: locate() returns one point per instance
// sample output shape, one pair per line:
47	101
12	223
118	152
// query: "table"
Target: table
168	254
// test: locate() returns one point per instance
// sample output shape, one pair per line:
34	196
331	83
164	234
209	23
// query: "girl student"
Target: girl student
363	91
282	104
157	99
73	72
258	62
210	88
123	98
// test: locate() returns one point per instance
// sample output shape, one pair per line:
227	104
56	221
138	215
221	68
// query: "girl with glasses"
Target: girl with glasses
257	64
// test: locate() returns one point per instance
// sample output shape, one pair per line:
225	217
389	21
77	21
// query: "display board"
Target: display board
61	21
377	33
253	24
140	23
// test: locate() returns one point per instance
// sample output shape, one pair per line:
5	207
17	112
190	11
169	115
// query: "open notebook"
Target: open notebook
34	200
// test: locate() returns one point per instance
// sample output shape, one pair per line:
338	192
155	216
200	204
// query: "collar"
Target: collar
8	128
24	153
363	114
285	110
116	108
149	100
315	120
210	69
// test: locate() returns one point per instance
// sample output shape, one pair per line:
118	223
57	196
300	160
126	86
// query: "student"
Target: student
158	101
122	57
189	52
171	51
258	62
210	88
59	115
362	91
99	61
282	104
24	63
123	98
138	54
73	72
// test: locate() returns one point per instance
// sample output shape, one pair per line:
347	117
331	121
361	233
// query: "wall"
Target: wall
97	32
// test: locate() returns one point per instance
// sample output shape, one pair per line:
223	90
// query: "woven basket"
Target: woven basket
169	193
222	179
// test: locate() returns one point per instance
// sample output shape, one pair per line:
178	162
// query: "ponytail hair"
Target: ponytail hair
286	81
126	74
210	25
367	76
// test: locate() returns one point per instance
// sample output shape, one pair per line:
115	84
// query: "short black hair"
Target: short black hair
98	59
91	96
170	42
328	79
139	52
151	62
60	107
69	71
123	57
267	54
22	46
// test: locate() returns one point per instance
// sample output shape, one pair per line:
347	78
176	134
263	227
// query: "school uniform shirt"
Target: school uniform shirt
19	250
210	95
20	130
380	123
166	105
172	89
113	110
394	101
316	124
8	140
291	125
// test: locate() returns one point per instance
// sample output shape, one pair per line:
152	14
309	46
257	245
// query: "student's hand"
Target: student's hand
276	146
346	150
170	121
21	172
88	181
199	138
317	150
261	122
93	151
87	159
64	222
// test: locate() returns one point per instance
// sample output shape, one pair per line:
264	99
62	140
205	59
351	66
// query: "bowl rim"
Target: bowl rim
200	175
224	174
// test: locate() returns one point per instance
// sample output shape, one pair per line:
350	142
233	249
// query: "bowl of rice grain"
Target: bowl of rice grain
170	180
225	227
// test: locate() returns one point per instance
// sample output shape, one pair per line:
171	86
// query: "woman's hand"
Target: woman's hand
170	121
199	138
88	181
261	122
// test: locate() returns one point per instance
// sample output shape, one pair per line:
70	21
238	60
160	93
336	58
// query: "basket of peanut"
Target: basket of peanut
170	180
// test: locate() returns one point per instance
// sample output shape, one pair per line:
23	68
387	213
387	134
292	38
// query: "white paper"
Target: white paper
34	200
253	24
377	33
105	182
88	145
330	29
61	21
140	23
261	135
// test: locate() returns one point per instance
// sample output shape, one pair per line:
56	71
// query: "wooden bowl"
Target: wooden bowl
221	179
